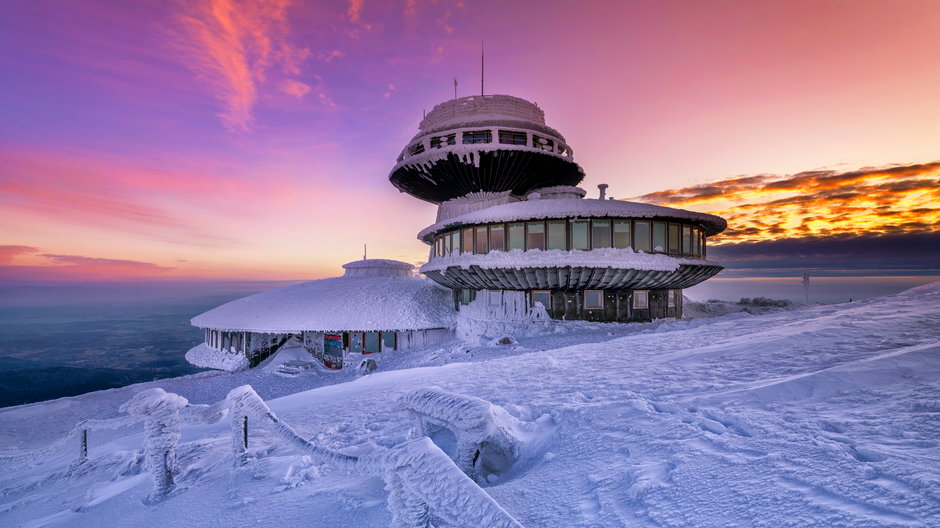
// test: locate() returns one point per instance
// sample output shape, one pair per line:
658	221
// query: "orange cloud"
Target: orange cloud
871	201
231	45
8	252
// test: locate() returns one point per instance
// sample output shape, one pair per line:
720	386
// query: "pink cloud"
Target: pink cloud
8	252
295	88
82	268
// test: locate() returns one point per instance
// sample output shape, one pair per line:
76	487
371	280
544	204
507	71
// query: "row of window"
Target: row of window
593	299
641	235
505	137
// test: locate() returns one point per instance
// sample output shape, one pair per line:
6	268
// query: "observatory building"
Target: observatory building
515	244
511	219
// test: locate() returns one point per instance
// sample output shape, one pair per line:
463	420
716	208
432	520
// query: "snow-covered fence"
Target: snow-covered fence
162	413
80	431
245	402
422	480
489	439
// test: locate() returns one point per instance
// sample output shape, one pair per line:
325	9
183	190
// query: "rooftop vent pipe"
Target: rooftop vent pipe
603	188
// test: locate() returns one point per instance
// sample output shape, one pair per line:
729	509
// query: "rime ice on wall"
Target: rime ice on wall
494	314
477	106
489	439
421	480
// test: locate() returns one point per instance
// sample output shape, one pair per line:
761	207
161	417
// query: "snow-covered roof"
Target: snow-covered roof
378	268
350	303
615	258
505	106
575	208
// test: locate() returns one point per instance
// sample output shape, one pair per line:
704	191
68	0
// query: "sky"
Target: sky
252	139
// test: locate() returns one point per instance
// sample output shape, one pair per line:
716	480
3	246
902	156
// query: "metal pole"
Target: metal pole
83	455
245	431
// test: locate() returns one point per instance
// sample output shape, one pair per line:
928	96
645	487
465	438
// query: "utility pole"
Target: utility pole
806	286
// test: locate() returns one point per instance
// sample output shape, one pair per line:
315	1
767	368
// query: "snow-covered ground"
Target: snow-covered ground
822	416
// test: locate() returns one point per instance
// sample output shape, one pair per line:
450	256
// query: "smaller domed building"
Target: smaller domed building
377	305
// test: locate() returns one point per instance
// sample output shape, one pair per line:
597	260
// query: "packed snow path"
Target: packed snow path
827	416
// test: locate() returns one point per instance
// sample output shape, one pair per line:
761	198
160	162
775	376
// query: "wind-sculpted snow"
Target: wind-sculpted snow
159	411
818	417
204	356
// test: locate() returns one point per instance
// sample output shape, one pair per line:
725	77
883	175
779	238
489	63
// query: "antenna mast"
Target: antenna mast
455	87
482	55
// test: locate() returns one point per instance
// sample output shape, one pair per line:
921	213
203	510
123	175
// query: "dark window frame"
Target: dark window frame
477	137
598	306
513	137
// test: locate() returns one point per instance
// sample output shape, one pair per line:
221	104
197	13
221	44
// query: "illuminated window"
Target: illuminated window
478	136
556	235
497	237
659	236
455	241
671	298
600	234
511	137
593	299
641	236
674	239
467	237
479	237
695	241
641	299
621	234
535	235
686	239
542	296
517	236
579	235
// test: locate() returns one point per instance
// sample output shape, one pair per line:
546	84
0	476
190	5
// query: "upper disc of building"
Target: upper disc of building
488	143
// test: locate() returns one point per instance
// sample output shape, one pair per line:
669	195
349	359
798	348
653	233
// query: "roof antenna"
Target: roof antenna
455	87
365	252
482	55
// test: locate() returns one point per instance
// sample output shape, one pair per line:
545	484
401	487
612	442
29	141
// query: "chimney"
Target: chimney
603	188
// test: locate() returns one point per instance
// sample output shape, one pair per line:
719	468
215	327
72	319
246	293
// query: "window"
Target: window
478	136
542	296
593	299
641	299
467	237
494	297
355	342
448	243
511	137
371	343
479	240
517	236
659	236
673	238
641	236
535	235
695	241
579	235
543	143
703	243
466	296
600	234
455	241
556	235
389	340
621	234
671	298
417	148
497	238
443	141
686	239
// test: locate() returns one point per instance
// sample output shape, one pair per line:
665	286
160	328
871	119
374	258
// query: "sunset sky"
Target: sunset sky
225	139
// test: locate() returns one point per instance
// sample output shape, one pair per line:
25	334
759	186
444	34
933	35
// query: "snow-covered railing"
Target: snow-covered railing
489	439
80	431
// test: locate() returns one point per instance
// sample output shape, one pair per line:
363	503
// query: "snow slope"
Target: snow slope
826	416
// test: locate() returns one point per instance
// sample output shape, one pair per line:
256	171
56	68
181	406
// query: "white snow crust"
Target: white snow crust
818	417
616	258
573	208
204	356
337	304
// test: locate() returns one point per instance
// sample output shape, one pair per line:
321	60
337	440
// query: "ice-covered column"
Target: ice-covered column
159	411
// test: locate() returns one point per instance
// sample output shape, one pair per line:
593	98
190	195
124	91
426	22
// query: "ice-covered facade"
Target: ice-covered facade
511	219
376	305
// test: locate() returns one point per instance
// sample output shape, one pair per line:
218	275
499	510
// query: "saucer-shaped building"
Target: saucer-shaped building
511	219
377	305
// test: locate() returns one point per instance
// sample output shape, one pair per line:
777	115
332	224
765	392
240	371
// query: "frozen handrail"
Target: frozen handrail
80	429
